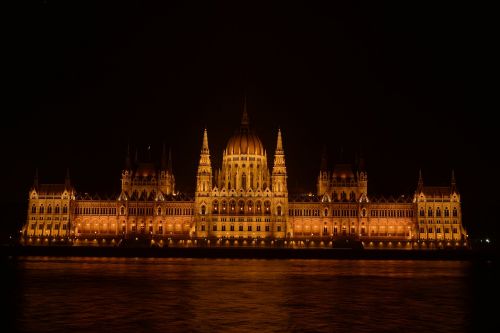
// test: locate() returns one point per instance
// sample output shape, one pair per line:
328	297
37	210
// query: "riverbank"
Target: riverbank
256	253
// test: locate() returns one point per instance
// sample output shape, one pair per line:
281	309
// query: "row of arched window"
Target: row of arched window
233	207
41	209
430	212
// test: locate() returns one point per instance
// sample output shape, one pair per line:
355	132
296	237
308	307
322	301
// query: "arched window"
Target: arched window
335	196
446	212
42	209
278	210
429	212
438	212
363	212
215	207
326	212
241	206
250	206
258	206
267	207
203	210
224	206
352	196
455	213
422	213
122	210
343	196
33	209
57	209
158	211
244	181
232	206
49	209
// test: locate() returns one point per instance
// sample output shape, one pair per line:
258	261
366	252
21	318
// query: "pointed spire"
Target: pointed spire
279	144
136	158
204	147
128	162
453	181
149	153
67	180
35	180
163	157
169	165
420	185
244	118
324	160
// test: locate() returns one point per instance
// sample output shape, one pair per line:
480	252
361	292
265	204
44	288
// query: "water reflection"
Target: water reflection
211	295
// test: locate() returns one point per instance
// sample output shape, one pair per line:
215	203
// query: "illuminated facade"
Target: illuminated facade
244	203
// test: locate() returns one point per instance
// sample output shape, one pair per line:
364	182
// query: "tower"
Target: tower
279	170
204	175
324	176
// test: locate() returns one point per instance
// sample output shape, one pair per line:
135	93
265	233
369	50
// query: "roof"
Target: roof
51	188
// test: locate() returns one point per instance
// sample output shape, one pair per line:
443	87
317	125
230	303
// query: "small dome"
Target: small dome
245	142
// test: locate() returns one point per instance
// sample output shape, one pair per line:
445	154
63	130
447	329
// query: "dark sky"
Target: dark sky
403	82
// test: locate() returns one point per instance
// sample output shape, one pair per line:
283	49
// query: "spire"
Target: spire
35	180
163	157
420	185
204	147
149	153
128	163
324	160
453	181
244	118
67	180
169	165
279	144
136	158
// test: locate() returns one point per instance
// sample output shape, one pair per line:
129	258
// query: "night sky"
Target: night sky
403	83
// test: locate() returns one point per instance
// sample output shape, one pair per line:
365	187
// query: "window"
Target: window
57	210
214	227
455	213
160	229
326	211
33	209
422	213
240	228
158	211
203	228
223	227
65	209
249	228
429	212
438	212
232	227
258	228
422	222
267	228
49	209
42	209
325	231
446	212
438	230
455	230
203	209
279	210
422	230
279	228
122	210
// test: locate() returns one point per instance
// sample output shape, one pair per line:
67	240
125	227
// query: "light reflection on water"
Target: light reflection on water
238	295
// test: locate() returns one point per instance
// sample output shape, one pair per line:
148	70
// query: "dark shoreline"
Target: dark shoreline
249	253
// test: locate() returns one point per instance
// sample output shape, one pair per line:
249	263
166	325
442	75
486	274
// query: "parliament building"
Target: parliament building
244	203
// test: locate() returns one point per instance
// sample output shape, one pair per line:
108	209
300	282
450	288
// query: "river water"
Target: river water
49	294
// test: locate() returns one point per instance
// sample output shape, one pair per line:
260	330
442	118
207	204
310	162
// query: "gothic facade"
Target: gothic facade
244	203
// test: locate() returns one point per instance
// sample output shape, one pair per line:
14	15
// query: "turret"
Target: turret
324	176
279	169
67	180
204	176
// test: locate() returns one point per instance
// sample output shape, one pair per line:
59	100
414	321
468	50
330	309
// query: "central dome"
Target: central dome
244	142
